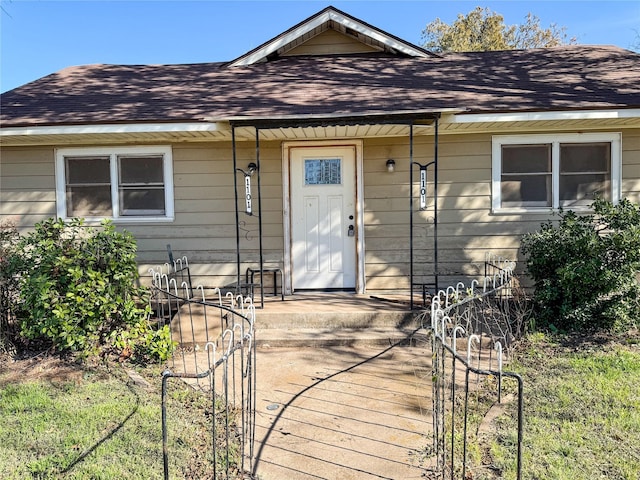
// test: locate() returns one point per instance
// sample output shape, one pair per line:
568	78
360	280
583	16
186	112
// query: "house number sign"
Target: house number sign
423	188
247	191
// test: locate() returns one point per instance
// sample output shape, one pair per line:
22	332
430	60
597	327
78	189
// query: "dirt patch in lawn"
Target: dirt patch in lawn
40	367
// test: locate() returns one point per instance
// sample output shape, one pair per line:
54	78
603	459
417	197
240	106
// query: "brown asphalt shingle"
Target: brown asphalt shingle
561	78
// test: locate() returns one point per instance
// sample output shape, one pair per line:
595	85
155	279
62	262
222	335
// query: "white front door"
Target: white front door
323	217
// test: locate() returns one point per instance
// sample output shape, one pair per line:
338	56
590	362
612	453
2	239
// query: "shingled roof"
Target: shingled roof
553	79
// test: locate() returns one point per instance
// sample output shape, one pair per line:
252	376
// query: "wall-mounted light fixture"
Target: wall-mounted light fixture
251	169
391	165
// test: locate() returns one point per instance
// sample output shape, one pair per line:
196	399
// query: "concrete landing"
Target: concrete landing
333	319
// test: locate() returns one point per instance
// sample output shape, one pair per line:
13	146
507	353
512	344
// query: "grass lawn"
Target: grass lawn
582	410
61	420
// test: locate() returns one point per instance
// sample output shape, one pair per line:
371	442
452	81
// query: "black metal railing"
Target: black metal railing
482	319
215	351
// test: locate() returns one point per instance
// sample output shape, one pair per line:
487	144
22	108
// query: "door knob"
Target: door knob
351	232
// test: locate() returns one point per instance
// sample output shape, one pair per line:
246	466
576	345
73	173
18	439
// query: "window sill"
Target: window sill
538	211
123	220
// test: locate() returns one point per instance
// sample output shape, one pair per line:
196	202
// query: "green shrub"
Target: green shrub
8	286
78	290
585	268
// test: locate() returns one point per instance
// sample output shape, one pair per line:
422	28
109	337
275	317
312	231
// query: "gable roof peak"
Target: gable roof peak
330	18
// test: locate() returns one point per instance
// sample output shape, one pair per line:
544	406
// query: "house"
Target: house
340	153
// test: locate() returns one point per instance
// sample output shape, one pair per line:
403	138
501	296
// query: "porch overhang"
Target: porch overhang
416	117
407	119
338	125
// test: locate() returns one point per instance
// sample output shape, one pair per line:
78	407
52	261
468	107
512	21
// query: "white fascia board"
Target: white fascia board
115	128
544	116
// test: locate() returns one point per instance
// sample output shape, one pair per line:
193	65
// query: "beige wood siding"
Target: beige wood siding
466	227
204	226
631	165
330	42
27	185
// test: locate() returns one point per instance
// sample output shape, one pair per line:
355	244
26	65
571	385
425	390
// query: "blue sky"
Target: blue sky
39	37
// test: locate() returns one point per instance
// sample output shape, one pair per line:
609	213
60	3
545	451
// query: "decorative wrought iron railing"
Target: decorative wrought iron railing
485	319
215	350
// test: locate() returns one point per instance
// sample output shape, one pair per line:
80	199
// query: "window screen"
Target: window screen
526	176
88	186
585	173
141	186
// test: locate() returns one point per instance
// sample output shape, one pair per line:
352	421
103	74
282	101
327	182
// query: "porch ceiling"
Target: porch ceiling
9	138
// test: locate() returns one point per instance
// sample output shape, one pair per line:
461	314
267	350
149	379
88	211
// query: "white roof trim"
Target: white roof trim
115	128
543	116
280	41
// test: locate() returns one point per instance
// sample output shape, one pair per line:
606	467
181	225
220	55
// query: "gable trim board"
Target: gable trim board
324	18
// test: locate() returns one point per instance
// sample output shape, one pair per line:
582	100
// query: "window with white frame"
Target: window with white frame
123	183
533	172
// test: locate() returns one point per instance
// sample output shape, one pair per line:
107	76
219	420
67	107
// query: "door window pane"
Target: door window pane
324	171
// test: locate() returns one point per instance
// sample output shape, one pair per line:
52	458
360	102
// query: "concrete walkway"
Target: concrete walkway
343	386
341	413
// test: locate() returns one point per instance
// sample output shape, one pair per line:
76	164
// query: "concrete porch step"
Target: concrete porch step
334	310
355	319
338	337
311	320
